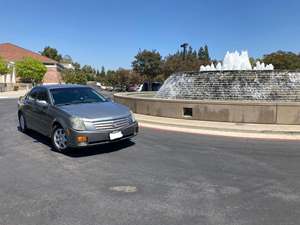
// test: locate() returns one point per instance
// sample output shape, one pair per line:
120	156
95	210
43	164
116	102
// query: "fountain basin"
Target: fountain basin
233	85
236	111
231	91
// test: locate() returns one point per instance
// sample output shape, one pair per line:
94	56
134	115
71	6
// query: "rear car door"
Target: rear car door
28	109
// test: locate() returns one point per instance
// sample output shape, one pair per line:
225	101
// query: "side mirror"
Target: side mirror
42	103
21	99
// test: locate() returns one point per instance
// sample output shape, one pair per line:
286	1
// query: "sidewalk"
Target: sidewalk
12	94
246	130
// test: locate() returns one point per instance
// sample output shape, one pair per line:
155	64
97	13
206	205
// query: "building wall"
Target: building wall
52	76
9	78
2	78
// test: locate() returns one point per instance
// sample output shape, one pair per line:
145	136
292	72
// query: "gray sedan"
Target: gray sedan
75	116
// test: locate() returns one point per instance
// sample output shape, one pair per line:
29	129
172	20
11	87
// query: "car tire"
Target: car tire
59	139
22	123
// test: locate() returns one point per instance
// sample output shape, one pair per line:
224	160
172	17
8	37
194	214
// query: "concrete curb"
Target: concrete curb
221	130
223	133
4	97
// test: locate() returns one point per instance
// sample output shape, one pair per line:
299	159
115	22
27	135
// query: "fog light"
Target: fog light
81	139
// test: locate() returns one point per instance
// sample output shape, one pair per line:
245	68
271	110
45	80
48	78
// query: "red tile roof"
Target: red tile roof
13	53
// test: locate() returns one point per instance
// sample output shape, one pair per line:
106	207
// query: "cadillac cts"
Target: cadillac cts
75	116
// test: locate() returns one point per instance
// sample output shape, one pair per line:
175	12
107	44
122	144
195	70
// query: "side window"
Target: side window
33	94
43	95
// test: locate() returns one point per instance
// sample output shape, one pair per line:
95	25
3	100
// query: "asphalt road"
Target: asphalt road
159	178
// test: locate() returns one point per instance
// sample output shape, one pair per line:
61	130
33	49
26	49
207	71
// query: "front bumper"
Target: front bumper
100	137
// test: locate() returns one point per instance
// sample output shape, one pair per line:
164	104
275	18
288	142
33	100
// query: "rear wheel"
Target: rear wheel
59	139
22	123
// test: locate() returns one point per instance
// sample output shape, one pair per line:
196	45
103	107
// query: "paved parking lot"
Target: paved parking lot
159	178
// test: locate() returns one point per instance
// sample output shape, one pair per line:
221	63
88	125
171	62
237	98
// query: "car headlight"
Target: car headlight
132	117
77	124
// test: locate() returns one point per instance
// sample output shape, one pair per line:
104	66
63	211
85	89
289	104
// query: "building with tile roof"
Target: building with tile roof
12	53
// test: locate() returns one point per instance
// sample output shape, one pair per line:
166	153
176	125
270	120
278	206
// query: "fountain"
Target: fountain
233	79
236	61
228	91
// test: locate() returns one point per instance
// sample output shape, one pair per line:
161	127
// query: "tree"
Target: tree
283	60
135	78
67	59
31	69
51	53
3	67
203	54
100	76
74	76
174	63
147	63
206	53
110	78
87	69
122	78
76	65
252	61
102	73
89	72
190	51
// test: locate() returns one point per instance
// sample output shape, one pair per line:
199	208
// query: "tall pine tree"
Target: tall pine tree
201	54
206	53
102	73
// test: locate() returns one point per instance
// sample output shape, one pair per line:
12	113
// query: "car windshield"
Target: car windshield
80	95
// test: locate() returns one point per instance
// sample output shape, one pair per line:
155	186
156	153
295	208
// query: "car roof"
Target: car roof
58	86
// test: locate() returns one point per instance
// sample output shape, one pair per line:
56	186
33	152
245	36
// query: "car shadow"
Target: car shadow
37	137
82	152
99	149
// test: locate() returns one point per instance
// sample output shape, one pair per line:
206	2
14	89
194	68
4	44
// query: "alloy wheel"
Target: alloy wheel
60	139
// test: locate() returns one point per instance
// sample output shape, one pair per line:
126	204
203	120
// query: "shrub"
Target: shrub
74	76
31	69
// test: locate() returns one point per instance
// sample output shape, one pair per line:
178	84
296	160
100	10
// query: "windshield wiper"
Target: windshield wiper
76	103
67	103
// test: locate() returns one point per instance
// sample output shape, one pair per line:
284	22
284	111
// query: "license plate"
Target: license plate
115	135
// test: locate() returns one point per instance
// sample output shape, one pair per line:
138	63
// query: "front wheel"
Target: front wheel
22	123
59	139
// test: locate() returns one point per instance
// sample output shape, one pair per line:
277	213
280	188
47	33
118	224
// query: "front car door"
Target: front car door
44	118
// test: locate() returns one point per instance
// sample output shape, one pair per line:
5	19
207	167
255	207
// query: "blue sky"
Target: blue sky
110	32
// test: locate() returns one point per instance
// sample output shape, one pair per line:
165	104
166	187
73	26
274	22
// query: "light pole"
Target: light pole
184	46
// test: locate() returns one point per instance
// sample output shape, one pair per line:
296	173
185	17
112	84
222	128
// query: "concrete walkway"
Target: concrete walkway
246	130
12	94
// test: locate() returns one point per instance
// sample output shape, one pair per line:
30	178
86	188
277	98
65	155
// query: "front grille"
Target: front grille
111	124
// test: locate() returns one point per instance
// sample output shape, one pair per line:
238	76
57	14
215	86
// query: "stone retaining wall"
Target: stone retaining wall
221	111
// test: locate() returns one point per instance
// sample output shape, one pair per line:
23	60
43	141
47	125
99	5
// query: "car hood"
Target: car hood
102	110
